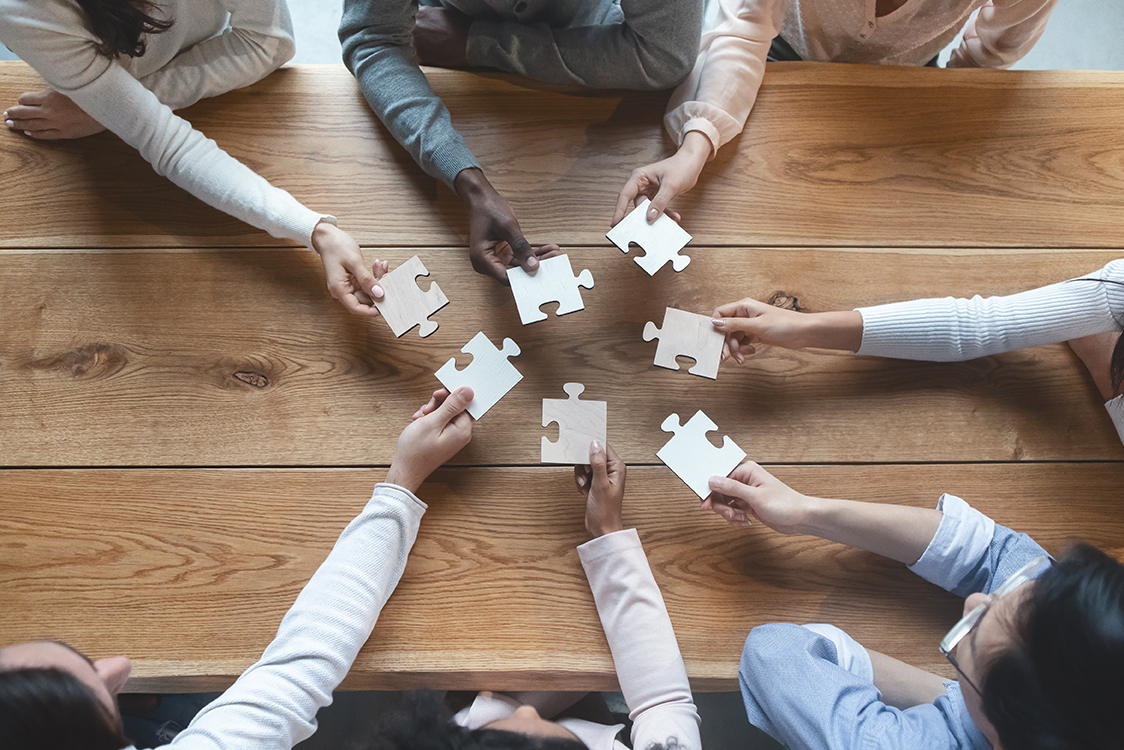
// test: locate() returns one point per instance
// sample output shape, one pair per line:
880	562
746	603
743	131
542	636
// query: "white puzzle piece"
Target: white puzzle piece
661	240
554	281
404	305
689	335
579	424
489	375
693	458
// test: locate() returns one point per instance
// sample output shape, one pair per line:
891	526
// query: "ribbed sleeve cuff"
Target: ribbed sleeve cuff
385	490
962	538
608	545
448	161
904	330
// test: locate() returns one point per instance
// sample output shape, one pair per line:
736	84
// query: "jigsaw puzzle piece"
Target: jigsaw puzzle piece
554	281
404	305
661	240
692	457
579	423
689	335
490	375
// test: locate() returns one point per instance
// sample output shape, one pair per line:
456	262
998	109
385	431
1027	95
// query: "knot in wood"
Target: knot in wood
786	301
256	379
88	361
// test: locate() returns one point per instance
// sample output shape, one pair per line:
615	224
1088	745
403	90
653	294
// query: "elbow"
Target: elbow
765	647
284	52
668	68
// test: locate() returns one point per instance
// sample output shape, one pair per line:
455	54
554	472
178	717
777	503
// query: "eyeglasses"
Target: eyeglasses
960	630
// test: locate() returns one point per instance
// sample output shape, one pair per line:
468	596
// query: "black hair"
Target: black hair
122	24
1061	686
423	722
51	709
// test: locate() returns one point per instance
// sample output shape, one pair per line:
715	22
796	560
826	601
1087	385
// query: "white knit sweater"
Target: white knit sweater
718	95
214	46
950	329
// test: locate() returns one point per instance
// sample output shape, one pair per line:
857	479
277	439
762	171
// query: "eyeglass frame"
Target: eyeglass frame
965	624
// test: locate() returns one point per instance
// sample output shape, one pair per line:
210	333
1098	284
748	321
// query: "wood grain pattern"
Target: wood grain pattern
242	358
833	155
190	571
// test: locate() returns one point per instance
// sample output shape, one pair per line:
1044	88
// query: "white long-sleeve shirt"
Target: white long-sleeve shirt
214	46
719	93
950	329
646	655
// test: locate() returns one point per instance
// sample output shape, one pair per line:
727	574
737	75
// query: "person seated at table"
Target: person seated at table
635	44
1039	651
1088	312
710	108
125	65
51	696
649	667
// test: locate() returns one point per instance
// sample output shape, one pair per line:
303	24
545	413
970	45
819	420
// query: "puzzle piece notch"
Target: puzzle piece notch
661	240
490	375
692	457
579	423
690	335
554	281
404	304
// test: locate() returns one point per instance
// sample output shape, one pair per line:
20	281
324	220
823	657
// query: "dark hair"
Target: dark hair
122	24
1116	365
50	709
423	722
1062	684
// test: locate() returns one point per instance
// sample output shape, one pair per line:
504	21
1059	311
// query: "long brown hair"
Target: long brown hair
122	24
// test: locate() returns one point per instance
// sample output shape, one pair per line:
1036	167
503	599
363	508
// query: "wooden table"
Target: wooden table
189	420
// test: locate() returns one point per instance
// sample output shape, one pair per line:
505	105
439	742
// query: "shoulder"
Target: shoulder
52	37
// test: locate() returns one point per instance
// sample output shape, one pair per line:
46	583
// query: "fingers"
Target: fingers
364	279
628	194
523	253
598	463
45	135
34	98
659	203
438	396
380	268
547	251
732	488
581	478
454	405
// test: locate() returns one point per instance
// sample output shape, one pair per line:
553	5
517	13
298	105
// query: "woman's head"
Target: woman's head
1049	658
423	722
122	24
53	696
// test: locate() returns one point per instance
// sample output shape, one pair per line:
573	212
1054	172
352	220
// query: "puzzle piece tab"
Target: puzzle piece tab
689	335
692	457
404	305
489	375
554	281
579	423
662	240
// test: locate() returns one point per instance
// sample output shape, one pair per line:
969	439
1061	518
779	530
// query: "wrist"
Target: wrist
816	516
471	185
608	527
697	147
322	234
403	479
834	330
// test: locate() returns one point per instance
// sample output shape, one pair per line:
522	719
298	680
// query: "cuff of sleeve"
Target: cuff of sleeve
704	126
902	330
403	495
609	545
717	124
449	161
1115	409
850	654
962	538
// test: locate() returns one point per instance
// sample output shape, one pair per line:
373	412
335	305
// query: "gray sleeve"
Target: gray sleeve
654	47
378	48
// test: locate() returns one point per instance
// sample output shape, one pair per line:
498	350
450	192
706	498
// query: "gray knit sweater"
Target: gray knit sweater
631	44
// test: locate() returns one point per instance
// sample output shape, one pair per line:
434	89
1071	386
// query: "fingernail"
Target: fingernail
595	447
376	290
715	483
533	262
652	214
717	322
9	123
581	481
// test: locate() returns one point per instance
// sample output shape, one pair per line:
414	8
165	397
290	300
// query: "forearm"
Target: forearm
899	532
904	685
832	330
1001	34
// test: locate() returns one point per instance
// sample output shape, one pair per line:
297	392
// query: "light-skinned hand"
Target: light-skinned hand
602	483
749	322
495	241
50	116
752	491
662	181
431	440
348	279
441	37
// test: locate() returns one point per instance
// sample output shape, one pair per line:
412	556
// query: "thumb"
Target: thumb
455	404
737	325
521	249
599	462
732	488
659	203
363	277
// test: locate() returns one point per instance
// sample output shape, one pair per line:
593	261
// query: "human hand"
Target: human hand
662	181
495	241
602	483
348	279
50	116
750	490
431	440
441	37
748	322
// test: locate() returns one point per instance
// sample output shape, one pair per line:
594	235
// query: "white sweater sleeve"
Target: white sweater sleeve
949	329
649	667
1002	33
52	38
273	704
720	91
258	41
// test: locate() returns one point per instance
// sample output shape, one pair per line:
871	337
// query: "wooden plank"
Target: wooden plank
190	571
216	358
834	155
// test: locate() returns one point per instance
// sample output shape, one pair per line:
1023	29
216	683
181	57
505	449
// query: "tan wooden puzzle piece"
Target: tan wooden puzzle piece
692	457
661	240
554	281
404	305
689	335
490	375
579	423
